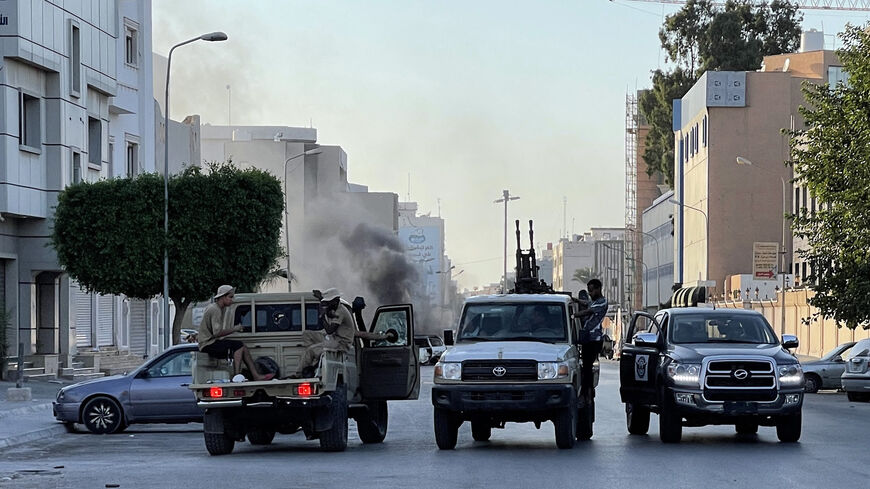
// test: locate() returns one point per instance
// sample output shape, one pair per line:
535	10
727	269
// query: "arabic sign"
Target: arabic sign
764	256
423	249
8	18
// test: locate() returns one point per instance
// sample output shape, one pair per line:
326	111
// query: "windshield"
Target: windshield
861	349
513	322
721	328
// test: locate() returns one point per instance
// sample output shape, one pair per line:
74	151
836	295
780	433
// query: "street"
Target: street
832	452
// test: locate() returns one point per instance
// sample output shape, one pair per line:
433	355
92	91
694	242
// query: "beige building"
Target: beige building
727	206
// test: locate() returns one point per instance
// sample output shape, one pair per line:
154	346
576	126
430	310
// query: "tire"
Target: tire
481	430
746	428
446	429
335	438
566	427
261	437
102	416
788	428
373	428
636	419
812	383
585	420
217	441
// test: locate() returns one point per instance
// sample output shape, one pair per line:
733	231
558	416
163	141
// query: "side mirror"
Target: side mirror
646	339
448	337
789	341
838	359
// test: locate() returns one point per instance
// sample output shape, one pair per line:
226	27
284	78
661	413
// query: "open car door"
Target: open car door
391	370
637	363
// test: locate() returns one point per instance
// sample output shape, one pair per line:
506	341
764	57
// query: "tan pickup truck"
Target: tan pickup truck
354	385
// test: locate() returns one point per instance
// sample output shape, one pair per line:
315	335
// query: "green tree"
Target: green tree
224	227
831	157
701	37
584	275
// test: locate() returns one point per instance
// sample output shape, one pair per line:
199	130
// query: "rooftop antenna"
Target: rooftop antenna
408	197
229	105
565	214
439	206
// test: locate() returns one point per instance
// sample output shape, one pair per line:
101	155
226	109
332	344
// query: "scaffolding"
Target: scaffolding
632	286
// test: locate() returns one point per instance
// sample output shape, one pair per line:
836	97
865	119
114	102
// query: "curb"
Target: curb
25	410
32	436
53	430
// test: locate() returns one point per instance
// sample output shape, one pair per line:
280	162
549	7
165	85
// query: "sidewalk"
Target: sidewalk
22	422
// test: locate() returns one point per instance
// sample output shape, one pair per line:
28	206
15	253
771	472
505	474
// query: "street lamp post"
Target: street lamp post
706	234
506	197
746	162
642	264
211	37
287	212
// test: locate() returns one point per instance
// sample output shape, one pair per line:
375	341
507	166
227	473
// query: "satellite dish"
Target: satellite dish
786	64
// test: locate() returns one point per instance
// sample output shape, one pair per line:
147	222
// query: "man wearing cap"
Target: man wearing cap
338	333
211	333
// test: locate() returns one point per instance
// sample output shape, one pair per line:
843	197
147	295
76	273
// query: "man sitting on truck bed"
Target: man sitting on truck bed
338	333
211	333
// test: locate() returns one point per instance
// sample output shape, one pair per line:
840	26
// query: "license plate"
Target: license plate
740	407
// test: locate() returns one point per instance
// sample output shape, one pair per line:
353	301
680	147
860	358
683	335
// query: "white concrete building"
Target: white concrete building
75	90
599	252
316	184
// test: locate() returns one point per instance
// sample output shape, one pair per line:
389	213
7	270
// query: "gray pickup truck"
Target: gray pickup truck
515	359
354	385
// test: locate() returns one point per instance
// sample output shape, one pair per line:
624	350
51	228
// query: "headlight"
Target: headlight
60	395
449	370
791	375
687	374
552	370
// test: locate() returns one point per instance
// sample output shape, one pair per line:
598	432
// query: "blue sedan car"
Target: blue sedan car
156	392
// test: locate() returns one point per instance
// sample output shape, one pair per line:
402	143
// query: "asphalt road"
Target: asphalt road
832	453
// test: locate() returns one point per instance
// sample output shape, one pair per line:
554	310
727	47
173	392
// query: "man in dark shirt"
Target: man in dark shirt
590	335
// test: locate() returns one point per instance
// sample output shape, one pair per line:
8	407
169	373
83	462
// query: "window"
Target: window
273	318
312	316
175	365
132	159
131	45
242	316
76	167
705	131
75	60
110	166
797	200
95	141
836	75
804	198
29	123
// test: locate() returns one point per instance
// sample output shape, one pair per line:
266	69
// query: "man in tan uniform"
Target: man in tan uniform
211	333
339	331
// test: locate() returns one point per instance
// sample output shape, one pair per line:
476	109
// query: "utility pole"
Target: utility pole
506	197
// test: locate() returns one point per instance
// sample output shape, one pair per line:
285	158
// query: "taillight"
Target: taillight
216	392
304	389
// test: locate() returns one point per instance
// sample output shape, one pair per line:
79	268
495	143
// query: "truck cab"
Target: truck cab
355	384
699	366
515	359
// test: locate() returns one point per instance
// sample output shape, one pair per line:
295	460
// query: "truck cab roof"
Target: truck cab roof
519	298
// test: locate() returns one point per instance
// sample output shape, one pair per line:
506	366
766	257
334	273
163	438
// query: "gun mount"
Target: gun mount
527	280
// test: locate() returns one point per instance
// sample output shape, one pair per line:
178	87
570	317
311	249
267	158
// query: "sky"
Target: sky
448	101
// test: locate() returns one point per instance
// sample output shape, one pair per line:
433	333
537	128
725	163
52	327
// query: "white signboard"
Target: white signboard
764	258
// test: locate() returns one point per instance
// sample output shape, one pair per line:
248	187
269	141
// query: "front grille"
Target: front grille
757	395
728	366
513	370
496	396
857	365
736	379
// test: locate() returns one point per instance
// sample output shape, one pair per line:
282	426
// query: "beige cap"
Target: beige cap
224	290
330	294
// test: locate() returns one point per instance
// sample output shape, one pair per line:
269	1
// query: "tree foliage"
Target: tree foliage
701	37
831	157
224	227
584	275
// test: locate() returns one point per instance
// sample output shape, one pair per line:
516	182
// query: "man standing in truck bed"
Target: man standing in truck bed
591	335
338	333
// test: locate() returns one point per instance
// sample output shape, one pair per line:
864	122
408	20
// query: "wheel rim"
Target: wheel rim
811	385
102	415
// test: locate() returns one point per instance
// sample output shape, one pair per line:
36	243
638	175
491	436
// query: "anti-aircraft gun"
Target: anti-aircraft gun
527	280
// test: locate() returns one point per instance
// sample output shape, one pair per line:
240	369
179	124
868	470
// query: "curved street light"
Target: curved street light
211	37
286	208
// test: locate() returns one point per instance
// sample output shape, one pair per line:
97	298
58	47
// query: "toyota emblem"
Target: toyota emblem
499	371
740	374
